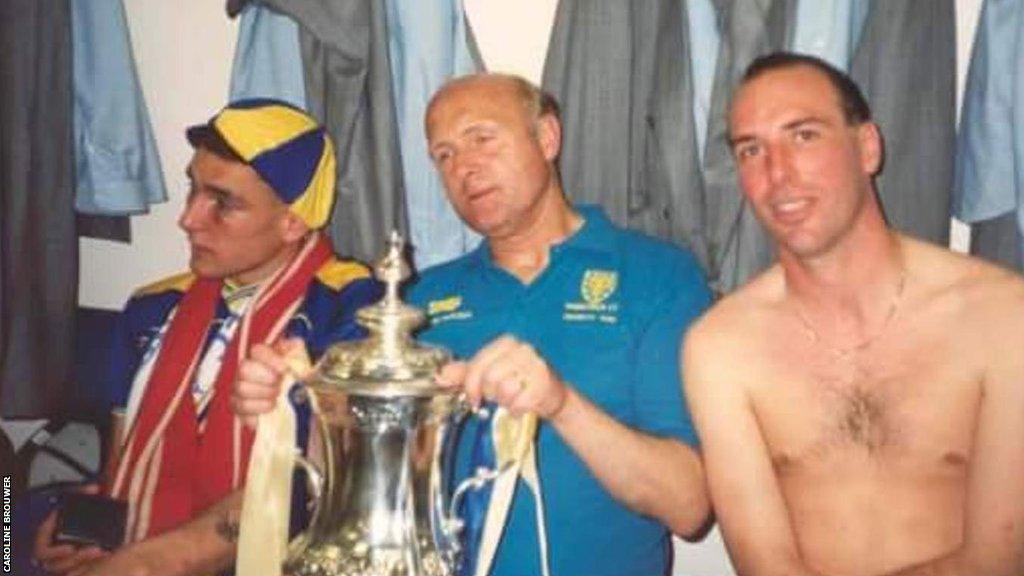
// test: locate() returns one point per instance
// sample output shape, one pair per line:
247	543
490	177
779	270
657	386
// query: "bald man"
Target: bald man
560	314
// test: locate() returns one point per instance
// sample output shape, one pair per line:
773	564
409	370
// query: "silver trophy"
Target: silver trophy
381	506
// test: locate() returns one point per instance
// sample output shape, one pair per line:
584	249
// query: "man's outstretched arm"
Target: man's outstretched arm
659	477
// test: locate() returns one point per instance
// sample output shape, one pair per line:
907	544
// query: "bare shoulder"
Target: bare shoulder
978	296
731	328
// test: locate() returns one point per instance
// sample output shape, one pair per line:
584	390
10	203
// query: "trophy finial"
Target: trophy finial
392	268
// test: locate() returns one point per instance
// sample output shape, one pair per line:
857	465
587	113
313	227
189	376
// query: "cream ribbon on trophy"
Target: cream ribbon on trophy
515	451
263	526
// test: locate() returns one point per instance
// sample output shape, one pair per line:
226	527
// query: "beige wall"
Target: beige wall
184	51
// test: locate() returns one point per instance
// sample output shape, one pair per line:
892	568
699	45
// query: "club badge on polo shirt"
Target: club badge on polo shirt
597	302
447	309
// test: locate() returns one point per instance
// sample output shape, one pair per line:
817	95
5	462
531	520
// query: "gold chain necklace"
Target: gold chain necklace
845	352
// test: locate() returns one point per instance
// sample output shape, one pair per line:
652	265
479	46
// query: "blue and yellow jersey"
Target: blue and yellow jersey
327	315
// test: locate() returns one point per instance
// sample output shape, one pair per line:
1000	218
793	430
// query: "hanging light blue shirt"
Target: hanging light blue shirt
268	58
705	38
427	44
829	29
117	165
990	146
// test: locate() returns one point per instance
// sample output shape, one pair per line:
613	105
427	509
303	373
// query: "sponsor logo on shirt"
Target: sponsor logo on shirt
447	309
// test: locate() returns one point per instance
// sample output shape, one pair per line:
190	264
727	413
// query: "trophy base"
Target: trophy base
362	560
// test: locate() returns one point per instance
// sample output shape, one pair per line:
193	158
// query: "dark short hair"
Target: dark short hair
205	137
851	99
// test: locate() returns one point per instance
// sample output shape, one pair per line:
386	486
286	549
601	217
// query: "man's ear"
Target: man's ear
872	148
549	135
293	228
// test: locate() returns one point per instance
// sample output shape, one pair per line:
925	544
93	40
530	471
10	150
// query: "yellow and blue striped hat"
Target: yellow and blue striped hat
286	147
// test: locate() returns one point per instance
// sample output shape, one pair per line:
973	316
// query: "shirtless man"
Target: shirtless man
861	403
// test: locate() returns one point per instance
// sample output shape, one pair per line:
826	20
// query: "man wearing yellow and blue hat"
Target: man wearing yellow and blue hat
262	185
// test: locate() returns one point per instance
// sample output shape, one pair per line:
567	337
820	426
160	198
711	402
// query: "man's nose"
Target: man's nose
464	164
779	163
192	216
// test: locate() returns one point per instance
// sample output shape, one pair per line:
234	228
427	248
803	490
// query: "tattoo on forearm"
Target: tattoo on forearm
227	527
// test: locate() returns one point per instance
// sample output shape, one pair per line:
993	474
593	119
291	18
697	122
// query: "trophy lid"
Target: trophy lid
389	362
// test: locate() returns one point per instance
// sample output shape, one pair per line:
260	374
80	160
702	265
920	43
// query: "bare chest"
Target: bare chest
909	403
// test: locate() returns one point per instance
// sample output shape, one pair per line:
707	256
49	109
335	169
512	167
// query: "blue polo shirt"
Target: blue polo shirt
608	314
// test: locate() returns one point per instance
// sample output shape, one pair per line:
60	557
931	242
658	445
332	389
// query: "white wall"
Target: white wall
184	51
967	12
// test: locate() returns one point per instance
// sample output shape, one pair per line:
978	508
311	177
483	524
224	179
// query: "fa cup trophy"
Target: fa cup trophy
382	501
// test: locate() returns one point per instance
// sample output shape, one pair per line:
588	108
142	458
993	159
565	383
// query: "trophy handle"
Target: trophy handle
478	480
315	480
451	523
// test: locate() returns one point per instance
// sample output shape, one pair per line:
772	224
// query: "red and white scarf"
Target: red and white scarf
171	467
